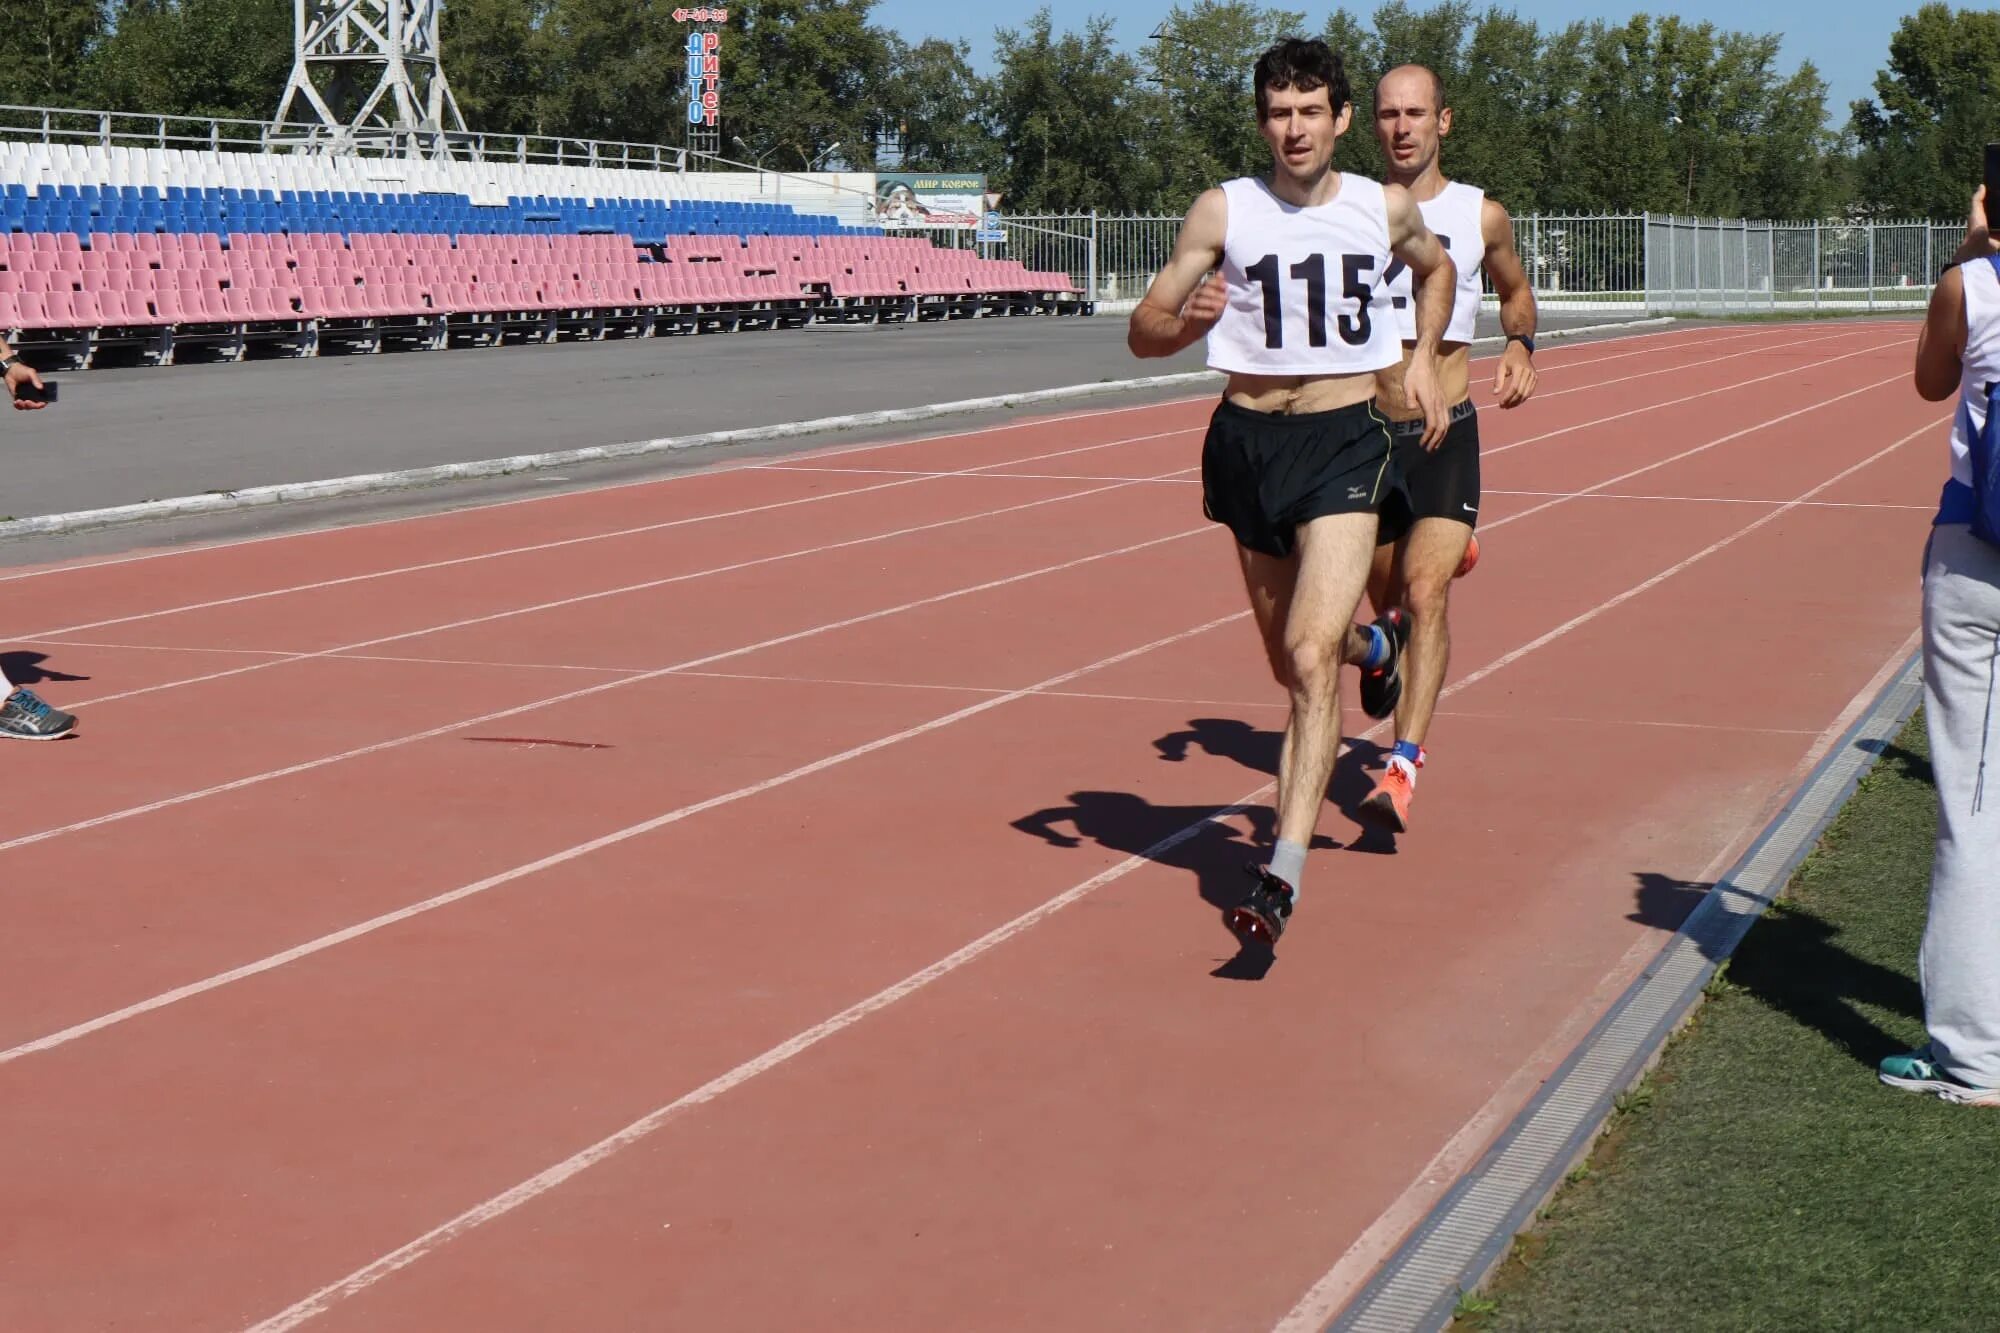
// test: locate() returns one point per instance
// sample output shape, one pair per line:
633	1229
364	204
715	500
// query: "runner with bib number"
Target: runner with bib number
1283	276
1426	537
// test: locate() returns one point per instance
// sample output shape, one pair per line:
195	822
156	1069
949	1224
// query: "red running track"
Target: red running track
774	896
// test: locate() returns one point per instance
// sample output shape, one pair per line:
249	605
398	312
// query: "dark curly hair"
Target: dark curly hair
1302	64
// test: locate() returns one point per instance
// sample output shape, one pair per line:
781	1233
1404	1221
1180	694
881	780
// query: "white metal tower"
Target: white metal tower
365	73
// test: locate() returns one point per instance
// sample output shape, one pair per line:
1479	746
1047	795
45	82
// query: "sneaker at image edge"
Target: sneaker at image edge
24	717
1918	1071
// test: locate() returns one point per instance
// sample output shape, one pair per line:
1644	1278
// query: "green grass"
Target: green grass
1761	1178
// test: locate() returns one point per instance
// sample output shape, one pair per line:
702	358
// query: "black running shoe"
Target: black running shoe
1382	688
1260	918
26	718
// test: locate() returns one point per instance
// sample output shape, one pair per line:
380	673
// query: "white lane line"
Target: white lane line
606	488
582	849
1789	371
1689	365
991	476
551	1178
1719	500
398	742
537	548
598	595
1704	448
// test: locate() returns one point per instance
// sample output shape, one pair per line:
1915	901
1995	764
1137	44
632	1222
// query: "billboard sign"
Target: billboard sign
940	200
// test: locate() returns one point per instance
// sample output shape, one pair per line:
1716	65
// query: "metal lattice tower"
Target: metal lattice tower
365	73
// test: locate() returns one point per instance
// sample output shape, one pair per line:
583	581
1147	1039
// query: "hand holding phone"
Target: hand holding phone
1992	179
28	390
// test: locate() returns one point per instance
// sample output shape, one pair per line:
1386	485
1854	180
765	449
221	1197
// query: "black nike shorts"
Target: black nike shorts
1435	483
1265	473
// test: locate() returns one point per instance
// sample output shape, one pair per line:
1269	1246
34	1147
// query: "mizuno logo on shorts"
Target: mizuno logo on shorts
1357	492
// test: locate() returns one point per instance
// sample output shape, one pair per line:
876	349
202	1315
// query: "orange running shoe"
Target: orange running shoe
1388	806
1471	557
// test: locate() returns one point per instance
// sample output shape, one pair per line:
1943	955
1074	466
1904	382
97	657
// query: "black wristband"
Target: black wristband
1523	339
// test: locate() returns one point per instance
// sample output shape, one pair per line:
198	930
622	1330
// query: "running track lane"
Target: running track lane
485	1042
188	936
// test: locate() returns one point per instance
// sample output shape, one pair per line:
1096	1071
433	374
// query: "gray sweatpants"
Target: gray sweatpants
1960	965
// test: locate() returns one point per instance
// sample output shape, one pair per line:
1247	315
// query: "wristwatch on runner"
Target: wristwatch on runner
1523	339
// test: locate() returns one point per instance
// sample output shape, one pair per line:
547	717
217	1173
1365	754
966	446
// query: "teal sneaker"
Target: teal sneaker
1917	1071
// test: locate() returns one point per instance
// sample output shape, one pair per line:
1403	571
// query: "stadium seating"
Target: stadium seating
102	250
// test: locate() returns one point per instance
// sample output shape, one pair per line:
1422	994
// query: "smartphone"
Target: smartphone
45	394
1993	187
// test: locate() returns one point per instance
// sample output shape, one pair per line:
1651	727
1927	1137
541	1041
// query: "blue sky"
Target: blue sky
1847	39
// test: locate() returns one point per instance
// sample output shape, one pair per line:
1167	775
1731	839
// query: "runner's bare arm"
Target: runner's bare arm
1180	307
1515	382
1941	342
1433	277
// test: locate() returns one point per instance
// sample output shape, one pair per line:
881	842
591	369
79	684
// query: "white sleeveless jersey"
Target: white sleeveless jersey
1457	215
1305	289
1980	365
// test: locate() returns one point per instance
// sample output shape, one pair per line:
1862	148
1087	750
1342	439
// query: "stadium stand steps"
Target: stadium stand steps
135	270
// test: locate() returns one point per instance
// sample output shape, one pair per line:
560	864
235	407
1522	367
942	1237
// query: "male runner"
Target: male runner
1426	537
23	716
1297	461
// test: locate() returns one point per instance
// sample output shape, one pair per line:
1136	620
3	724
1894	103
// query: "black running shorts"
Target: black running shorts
1264	473
1436	483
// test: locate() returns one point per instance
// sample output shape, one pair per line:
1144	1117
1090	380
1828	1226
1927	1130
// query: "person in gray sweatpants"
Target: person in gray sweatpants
1958	352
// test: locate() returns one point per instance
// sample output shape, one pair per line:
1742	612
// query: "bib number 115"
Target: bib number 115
1354	269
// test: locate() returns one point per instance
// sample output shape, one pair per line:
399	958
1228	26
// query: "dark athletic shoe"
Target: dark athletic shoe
1260	918
24	717
1382	688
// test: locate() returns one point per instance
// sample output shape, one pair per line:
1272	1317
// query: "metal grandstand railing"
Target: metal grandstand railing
1636	262
128	129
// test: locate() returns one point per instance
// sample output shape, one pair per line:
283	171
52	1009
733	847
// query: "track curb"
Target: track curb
1466	1235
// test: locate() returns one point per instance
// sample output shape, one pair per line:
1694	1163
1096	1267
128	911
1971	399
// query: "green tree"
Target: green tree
1360	57
226	58
1077	132
1497	97
42	58
799	76
495	61
1922	137
610	69
941	107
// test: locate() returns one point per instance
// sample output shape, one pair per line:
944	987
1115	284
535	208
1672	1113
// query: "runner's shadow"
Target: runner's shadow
1791	961
1910	763
1182	837
1258	751
25	668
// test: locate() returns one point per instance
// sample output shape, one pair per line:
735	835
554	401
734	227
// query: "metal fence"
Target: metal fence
1636	263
